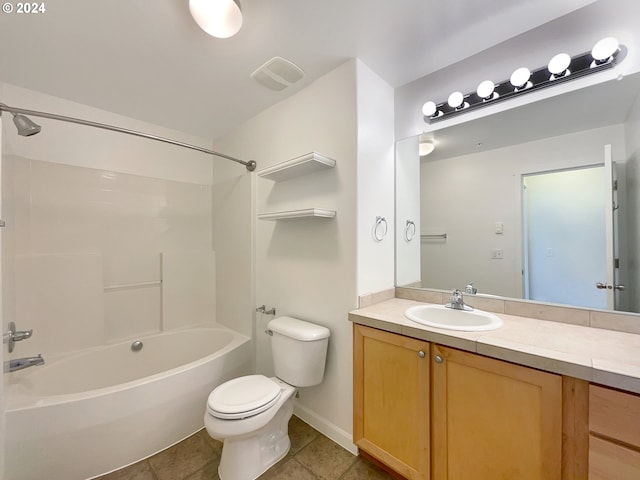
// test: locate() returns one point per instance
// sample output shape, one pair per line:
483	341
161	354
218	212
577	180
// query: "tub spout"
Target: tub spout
20	363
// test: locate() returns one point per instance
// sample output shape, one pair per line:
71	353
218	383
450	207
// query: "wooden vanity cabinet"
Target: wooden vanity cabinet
614	440
391	400
433	412
493	419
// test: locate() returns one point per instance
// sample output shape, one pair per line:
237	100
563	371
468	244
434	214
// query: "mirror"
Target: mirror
525	203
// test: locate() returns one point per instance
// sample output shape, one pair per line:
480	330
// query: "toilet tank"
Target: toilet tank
299	350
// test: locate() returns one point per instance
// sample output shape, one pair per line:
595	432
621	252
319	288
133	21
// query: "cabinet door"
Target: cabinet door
494	420
391	400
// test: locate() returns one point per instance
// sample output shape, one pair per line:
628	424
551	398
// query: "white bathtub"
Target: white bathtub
99	410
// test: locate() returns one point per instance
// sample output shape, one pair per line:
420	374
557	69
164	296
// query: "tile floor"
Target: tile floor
312	457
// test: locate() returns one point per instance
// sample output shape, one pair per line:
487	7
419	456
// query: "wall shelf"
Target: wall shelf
296	167
303	213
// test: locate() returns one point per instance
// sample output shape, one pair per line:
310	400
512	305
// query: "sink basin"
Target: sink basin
440	316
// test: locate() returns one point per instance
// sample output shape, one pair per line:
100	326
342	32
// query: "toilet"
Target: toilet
250	414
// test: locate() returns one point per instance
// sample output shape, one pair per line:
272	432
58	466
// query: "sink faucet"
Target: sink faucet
470	288
20	363
456	301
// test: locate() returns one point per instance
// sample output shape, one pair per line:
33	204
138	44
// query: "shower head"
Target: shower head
26	126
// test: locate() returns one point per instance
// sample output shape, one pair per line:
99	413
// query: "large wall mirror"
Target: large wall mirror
538	202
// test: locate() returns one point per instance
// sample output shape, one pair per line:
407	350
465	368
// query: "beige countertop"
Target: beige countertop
597	355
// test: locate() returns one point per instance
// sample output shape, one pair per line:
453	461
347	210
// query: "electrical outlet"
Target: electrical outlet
497	254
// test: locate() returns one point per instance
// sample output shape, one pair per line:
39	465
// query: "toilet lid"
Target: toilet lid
243	397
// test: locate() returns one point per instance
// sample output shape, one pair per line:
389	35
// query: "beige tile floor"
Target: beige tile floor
312	457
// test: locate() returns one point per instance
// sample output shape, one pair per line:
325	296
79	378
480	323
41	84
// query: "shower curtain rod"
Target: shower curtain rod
250	165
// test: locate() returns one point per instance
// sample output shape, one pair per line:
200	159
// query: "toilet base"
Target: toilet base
248	456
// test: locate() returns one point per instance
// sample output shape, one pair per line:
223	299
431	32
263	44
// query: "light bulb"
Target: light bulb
429	109
559	64
425	148
604	49
219	18
456	100
485	90
520	77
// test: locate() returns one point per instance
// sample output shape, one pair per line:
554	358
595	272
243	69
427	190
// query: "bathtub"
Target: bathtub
98	410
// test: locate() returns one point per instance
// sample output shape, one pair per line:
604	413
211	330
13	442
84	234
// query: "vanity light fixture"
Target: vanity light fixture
219	18
425	147
561	68
486	90
430	109
456	100
604	50
520	78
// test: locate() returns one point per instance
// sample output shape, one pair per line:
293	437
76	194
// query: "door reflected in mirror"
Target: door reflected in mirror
538	202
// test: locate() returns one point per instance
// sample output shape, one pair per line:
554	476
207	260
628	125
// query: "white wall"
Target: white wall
632	136
234	238
305	268
465	196
375	181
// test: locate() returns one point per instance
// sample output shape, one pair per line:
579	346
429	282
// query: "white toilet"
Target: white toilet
251	414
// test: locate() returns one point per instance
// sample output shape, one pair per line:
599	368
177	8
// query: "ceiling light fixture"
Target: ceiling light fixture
219	18
606	54
425	148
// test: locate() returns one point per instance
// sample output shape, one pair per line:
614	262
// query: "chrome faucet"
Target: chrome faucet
456	301
20	363
13	336
470	288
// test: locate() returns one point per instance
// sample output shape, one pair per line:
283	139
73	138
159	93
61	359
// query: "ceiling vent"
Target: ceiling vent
277	74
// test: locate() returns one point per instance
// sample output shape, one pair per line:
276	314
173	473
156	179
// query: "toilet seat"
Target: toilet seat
243	397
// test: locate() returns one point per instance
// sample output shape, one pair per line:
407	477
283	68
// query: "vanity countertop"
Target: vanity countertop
597	355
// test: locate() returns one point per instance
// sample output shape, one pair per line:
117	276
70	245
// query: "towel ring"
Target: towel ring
376	234
409	230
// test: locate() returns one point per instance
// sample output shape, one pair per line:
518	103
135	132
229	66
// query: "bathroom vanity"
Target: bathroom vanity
524	401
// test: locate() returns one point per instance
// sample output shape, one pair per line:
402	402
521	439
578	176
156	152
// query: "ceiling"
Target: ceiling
147	59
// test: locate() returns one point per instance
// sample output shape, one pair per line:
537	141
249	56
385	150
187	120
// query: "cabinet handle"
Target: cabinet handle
421	354
438	359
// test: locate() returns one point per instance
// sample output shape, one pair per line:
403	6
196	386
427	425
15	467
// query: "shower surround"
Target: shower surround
92	260
92	256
